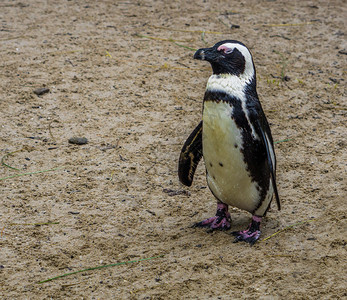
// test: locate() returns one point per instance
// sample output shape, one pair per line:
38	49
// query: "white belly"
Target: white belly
227	176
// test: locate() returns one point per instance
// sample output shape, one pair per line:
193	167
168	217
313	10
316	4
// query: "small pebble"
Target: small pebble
78	140
41	91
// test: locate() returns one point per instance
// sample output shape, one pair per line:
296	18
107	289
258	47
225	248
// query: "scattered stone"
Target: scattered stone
41	91
176	192
78	140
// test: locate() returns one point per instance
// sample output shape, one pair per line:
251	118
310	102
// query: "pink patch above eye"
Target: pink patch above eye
225	49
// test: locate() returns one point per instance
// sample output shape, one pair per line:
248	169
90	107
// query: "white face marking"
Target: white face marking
249	68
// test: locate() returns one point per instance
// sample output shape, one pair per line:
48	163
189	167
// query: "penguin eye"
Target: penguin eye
225	49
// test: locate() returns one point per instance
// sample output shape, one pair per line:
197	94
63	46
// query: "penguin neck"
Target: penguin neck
231	84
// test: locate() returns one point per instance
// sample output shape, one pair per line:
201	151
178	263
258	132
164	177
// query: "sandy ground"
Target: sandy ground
119	76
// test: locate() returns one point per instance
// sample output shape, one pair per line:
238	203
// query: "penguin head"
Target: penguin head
228	57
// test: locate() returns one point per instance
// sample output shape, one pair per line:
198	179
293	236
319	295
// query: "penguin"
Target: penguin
235	141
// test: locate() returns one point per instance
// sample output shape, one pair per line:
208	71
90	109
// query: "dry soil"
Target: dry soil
121	74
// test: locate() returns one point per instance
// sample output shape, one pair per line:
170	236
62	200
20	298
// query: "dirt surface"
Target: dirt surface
118	75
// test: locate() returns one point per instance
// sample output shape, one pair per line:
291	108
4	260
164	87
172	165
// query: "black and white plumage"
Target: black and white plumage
235	140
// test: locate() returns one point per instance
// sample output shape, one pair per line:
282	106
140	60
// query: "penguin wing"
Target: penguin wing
271	161
266	137
190	156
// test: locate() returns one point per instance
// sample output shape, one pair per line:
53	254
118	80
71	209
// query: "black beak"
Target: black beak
205	54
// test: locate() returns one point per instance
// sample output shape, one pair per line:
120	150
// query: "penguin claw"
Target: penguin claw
246	236
251	234
220	221
216	222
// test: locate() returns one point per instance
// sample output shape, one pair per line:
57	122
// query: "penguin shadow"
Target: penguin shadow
240	221
269	222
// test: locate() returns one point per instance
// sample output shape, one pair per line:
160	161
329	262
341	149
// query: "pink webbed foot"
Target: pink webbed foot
251	234
220	221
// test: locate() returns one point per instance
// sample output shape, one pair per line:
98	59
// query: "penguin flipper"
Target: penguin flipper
269	145
190	156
